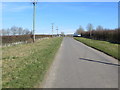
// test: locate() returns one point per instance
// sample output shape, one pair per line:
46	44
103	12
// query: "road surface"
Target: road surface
79	66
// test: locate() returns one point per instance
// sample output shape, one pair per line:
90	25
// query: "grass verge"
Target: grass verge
23	66
104	46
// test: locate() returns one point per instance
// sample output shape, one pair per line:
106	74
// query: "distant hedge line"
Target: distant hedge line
106	35
20	38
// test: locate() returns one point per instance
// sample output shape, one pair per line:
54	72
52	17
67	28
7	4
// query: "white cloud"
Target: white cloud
21	8
14	8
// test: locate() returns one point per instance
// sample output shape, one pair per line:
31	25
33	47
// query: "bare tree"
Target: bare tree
80	30
23	32
99	28
0	32
14	30
62	34
8	31
20	30
90	28
4	32
27	32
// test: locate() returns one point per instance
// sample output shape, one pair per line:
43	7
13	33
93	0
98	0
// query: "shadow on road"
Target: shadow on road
99	62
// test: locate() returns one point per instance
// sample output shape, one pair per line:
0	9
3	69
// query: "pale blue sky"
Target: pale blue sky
61	0
66	15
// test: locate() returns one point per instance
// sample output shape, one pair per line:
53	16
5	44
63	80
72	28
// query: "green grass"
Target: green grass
104	46
25	65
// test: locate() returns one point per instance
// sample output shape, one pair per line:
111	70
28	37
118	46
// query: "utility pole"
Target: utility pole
34	17
52	28
57	30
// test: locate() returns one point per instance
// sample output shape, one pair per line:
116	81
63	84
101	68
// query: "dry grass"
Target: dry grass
25	65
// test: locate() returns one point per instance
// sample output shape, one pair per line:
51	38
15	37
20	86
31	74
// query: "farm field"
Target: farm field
24	65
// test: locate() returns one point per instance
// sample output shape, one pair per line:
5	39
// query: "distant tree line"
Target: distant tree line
99	33
15	31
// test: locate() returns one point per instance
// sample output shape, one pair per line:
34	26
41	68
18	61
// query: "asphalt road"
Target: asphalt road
79	66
